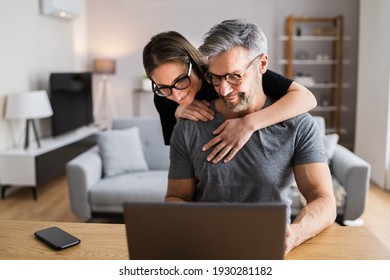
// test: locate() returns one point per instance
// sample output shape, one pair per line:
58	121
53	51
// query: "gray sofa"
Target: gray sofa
92	194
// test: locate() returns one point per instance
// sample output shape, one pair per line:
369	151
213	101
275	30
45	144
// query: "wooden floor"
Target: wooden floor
377	213
53	205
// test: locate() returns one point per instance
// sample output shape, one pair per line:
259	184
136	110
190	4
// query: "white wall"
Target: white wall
372	124
121	29
80	49
32	46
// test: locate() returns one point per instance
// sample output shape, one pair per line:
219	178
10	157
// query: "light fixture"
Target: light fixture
104	109
104	66
64	9
30	105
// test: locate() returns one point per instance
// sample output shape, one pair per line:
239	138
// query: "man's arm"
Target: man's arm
180	190
315	183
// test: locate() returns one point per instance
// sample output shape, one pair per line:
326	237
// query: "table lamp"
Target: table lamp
104	106
30	105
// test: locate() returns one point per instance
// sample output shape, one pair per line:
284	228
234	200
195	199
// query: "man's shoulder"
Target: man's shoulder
185	124
305	117
299	124
303	120
193	127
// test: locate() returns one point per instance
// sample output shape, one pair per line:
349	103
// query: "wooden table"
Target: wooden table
108	242
341	243
98	241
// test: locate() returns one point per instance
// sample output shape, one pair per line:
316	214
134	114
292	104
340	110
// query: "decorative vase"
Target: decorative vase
146	84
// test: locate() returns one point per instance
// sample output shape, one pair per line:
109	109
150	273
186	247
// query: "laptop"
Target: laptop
205	231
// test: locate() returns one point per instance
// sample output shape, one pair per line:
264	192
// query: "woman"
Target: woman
176	70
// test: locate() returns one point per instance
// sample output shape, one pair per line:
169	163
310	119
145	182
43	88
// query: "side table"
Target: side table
34	166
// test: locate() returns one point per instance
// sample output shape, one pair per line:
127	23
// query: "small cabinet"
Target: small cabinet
35	166
314	57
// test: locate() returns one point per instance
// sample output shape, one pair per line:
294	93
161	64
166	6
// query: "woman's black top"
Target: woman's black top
274	85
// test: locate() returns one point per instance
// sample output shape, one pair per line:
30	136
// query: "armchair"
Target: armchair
350	176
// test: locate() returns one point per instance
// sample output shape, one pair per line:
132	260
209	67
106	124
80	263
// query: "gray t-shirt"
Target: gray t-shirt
260	172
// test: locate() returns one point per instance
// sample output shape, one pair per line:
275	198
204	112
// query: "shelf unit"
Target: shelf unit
304	37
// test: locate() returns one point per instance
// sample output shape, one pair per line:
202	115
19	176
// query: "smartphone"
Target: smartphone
56	238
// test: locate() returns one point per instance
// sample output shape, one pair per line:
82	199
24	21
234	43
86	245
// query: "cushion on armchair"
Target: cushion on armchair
330	143
121	151
298	201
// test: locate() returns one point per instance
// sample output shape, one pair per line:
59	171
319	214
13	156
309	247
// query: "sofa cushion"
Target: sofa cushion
155	151
330	142
298	201
121	151
143	186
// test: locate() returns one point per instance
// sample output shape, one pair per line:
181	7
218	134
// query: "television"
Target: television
71	101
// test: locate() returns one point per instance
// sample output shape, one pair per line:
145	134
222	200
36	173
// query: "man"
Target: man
265	168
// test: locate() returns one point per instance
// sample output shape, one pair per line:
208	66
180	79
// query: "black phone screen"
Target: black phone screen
57	238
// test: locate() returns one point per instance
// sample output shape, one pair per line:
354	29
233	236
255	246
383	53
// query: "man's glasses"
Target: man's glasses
180	84
233	79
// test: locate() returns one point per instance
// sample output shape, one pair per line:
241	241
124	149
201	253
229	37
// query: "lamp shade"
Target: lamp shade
29	105
104	66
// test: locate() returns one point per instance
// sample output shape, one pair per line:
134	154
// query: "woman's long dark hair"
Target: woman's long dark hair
171	46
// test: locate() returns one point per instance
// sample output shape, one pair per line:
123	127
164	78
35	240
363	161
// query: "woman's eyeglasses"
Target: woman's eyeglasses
180	84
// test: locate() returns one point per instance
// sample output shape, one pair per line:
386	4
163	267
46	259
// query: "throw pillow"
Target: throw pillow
338	191
121	151
330	142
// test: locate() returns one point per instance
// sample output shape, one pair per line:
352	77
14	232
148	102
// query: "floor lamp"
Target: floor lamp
104	109
30	106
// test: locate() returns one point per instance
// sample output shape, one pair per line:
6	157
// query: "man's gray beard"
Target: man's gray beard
244	101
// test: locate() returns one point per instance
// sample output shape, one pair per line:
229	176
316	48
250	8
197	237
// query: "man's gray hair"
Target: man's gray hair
231	33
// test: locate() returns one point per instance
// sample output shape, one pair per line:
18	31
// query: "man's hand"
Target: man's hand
198	110
290	240
231	136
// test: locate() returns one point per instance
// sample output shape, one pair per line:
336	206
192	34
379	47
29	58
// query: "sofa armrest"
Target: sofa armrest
83	172
353	173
